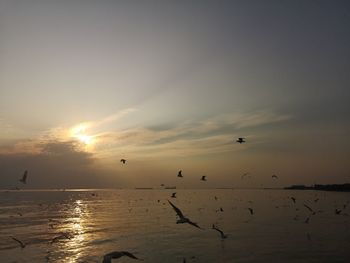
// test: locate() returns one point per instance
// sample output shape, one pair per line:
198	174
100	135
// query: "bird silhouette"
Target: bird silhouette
117	254
293	199
179	174
240	140
203	178
274	176
182	219
251	210
24	177
123	161
337	211
173	195
244	175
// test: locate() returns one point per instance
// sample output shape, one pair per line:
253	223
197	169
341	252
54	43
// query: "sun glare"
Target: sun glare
79	132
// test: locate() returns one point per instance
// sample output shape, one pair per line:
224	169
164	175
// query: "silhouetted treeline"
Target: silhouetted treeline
325	187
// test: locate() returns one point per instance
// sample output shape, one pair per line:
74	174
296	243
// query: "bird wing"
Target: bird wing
177	210
217	229
308	207
19	241
194	224
128	254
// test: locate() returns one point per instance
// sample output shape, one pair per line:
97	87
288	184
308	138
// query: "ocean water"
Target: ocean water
142	222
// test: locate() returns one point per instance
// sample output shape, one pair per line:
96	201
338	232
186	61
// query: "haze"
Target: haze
170	85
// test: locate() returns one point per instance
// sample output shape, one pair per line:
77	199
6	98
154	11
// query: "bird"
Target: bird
173	195
244	175
182	219
117	254
223	236
251	210
19	242
179	174
24	177
293	199
63	235
240	140
203	178
123	161
337	211
274	176
316	200
307	220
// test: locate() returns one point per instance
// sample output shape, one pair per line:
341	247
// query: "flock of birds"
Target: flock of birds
181	218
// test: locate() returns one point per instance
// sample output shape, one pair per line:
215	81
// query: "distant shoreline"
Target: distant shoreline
321	187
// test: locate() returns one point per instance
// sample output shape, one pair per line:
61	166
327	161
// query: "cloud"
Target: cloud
53	164
211	135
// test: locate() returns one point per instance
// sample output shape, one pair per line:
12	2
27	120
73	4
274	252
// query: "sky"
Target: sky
171	85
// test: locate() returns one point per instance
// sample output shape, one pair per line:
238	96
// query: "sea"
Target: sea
261	225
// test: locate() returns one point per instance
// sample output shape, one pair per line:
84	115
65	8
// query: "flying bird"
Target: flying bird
182	219
62	236
251	210
24	177
19	242
203	178
173	195
123	161
293	199
274	176
223	236
244	175
240	140
307	220
117	254
179	174
337	211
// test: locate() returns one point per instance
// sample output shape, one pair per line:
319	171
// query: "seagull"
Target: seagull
240	140
274	176
203	178
24	177
63	235
173	195
179	174
123	161
19	242
182	219
251	210
244	175
117	254
223	236
293	199
337	211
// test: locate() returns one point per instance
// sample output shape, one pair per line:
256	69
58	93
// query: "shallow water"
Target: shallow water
101	221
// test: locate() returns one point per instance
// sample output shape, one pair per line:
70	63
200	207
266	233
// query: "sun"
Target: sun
79	132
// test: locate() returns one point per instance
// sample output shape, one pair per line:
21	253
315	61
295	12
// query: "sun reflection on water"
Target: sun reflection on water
78	218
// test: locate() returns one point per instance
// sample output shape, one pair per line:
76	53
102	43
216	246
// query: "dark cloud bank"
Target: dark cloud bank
56	165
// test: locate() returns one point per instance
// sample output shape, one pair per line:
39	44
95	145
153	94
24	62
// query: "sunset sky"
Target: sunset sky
170	85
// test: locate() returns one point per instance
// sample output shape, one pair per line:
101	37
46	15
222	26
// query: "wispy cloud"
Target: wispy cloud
212	135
